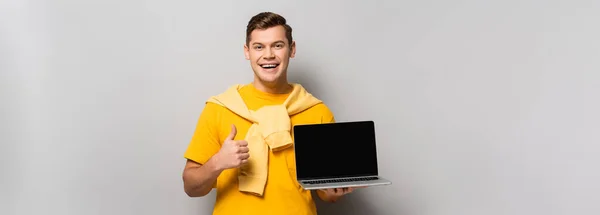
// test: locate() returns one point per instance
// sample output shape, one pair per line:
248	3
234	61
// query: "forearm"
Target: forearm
198	180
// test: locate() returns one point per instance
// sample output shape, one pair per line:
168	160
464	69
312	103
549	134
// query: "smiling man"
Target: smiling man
243	144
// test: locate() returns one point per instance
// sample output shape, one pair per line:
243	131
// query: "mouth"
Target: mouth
269	65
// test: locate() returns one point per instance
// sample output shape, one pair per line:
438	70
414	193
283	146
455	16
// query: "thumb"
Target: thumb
233	133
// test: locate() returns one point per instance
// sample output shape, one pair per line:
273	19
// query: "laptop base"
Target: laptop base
311	185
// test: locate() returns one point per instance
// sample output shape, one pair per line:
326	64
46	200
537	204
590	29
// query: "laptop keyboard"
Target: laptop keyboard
341	180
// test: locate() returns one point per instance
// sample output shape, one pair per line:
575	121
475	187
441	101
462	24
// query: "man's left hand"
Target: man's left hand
333	194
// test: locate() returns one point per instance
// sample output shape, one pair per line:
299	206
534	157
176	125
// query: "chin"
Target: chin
268	77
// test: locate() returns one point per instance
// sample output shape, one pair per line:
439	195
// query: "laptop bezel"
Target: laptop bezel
339	122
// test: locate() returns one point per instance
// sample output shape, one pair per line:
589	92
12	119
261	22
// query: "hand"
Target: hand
233	153
333	194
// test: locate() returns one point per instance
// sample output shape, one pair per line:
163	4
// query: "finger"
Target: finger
242	143
334	192
243	149
232	133
244	156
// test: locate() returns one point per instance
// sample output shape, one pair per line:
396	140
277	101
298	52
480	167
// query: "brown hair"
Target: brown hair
266	20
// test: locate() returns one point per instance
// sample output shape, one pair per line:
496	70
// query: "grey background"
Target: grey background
482	107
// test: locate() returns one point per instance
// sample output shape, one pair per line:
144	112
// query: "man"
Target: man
241	145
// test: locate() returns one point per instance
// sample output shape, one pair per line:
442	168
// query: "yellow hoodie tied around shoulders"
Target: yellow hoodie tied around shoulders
270	130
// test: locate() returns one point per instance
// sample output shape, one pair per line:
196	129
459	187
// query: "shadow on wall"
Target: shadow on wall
351	204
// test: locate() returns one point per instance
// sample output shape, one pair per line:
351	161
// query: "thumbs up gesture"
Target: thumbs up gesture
233	153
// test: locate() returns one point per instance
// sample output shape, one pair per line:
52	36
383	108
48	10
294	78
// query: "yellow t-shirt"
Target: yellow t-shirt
283	194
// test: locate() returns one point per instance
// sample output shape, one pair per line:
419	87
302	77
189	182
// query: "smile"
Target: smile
269	66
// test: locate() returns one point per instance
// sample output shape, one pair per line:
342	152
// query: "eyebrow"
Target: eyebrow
278	41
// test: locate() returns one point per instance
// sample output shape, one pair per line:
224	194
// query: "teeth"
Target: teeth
269	66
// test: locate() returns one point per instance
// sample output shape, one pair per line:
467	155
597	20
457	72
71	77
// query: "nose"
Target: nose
268	54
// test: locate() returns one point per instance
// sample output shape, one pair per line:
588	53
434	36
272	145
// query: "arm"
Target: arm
201	171
199	179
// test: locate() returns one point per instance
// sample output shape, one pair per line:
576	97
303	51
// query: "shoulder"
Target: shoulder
323	111
212	109
211	113
321	108
213	105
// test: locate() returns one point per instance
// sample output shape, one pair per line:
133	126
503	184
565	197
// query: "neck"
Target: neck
279	87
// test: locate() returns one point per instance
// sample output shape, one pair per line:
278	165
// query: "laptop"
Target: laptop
336	155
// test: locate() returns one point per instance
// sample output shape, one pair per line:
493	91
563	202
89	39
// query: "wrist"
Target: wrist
213	164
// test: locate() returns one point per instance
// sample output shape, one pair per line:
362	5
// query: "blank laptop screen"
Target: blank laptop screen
343	149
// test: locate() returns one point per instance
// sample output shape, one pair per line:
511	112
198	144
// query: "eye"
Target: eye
279	45
258	47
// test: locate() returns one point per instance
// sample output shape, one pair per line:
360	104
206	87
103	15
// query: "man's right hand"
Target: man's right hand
233	153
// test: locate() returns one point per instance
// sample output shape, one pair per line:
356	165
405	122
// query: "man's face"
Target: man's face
269	52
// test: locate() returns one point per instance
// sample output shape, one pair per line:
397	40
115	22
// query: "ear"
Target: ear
293	49
246	52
